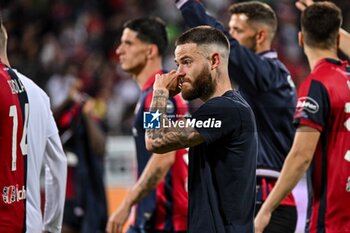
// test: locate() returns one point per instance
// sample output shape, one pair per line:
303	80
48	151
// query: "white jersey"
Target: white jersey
44	147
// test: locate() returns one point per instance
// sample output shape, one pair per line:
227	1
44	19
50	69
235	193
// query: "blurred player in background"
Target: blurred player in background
83	134
267	86
160	193
44	148
322	139
221	134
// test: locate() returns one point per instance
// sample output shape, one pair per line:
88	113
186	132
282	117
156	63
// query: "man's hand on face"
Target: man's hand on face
172	82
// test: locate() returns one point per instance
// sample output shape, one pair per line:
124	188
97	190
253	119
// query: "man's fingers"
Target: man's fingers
120	229
301	5
114	227
172	72
117	228
109	227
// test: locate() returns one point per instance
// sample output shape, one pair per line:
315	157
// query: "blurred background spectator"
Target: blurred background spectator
57	41
81	123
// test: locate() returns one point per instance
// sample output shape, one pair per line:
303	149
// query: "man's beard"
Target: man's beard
202	87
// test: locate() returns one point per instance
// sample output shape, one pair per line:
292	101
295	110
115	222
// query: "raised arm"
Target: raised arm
165	139
96	136
171	138
252	72
194	14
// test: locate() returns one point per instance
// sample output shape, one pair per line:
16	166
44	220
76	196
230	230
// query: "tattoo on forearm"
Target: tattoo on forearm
170	138
159	101
149	183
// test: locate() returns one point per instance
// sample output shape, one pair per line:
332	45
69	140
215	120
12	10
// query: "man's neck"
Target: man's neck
263	48
146	72
4	59
315	55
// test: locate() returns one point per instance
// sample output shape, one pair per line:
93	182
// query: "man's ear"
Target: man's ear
215	60
152	51
301	39
261	37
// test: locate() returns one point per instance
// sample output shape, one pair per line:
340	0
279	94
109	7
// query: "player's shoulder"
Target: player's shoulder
229	99
25	80
30	85
327	68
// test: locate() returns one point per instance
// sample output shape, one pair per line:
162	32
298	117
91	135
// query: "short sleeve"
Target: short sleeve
313	105
216	119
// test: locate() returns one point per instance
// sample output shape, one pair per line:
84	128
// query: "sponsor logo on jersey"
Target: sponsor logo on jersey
13	193
307	103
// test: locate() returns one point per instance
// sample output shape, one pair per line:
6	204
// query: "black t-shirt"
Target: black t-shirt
222	169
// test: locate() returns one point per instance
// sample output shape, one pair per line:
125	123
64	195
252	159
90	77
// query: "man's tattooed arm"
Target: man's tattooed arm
163	140
154	172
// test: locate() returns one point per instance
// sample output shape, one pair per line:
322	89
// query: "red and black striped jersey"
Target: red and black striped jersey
324	104
14	109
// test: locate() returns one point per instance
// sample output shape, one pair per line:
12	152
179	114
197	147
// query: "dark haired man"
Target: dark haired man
267	86
344	35
323	134
221	134
161	190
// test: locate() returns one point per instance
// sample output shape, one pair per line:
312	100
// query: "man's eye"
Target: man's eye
236	30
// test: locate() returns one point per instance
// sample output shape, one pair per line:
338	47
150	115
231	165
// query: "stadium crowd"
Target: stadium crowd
54	42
